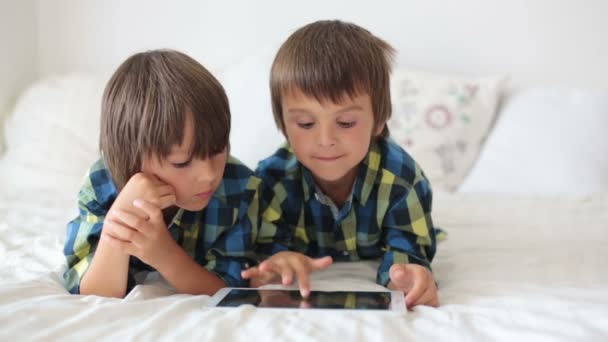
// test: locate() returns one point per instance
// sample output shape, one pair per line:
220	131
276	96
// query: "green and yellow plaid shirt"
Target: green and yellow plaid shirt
219	237
388	216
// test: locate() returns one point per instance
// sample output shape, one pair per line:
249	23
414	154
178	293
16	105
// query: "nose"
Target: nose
326	136
207	172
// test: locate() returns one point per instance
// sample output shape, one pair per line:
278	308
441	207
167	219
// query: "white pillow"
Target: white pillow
3	110
546	141
254	135
442	121
52	134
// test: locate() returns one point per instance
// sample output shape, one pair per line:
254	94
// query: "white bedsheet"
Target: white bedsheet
512	269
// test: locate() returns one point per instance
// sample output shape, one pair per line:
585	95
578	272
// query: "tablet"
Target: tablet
281	298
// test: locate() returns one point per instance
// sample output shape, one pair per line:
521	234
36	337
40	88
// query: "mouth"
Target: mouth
205	194
328	159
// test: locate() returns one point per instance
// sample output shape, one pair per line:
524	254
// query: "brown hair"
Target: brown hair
330	59
145	106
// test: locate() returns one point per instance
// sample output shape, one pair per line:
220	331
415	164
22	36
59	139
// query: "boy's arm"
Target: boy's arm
108	274
408	231
187	276
93	267
231	249
145	236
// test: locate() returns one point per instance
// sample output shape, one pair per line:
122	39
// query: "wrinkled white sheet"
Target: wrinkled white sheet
512	269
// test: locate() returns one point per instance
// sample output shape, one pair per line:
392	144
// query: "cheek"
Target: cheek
296	137
359	135
220	165
180	185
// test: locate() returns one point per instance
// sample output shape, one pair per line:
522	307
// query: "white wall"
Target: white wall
19	56
538	42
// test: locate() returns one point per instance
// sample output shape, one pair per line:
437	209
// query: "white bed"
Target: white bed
521	188
512	269
515	266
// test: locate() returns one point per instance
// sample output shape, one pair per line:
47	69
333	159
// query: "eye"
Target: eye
182	165
306	125
348	124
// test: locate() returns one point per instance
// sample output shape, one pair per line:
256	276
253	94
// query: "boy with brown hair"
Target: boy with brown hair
166	195
340	189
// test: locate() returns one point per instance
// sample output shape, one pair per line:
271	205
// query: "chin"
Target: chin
328	176
193	206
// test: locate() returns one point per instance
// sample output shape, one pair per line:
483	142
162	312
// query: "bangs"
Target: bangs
323	73
184	93
163	126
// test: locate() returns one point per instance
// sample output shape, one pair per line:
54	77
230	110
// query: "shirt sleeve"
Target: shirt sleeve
84	231
408	231
274	236
233	250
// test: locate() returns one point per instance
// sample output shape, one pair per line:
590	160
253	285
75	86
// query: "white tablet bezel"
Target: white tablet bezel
397	300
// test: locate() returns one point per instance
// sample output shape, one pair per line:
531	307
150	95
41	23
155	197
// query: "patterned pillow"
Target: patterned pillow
442	121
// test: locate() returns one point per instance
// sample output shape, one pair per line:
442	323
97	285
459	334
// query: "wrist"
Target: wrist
106	246
168	263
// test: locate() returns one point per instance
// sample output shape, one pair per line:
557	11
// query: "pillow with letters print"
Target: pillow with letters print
442	121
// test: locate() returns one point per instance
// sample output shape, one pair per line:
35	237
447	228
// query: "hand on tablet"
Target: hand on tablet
284	266
416	282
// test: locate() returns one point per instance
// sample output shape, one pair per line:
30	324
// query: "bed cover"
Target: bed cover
512	269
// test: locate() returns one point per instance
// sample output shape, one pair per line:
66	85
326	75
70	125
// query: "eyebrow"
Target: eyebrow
304	111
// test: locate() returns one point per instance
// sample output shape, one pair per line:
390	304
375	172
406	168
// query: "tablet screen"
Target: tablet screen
318	299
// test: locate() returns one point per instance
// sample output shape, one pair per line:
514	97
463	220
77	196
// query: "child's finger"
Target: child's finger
286	275
166	201
130	220
123	246
320	263
400	277
165	189
121	232
268	266
250	273
429	297
303	273
154	213
415	293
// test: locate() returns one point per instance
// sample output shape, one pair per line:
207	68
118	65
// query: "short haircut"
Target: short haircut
145	106
330	59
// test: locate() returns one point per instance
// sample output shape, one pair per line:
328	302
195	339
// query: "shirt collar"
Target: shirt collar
370	167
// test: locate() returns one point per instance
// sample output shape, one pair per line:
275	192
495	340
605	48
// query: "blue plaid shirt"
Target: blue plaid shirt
387	217
219	237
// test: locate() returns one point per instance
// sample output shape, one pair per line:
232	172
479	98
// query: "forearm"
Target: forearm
108	273
187	276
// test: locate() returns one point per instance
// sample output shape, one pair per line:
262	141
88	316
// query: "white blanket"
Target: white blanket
511	269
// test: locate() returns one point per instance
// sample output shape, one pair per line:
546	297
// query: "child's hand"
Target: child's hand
142	186
285	265
143	235
148	188
416	282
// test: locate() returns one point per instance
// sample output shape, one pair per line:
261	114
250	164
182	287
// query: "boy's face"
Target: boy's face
330	139
194	180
